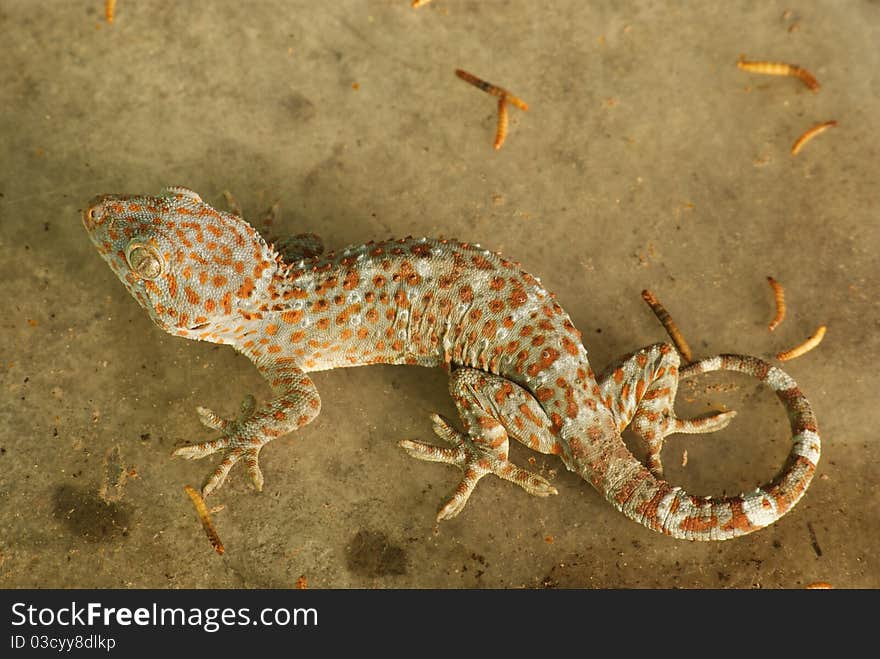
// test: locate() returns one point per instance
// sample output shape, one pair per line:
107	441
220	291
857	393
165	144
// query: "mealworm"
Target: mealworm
819	585
202	511
669	325
232	202
804	347
684	458
501	132
810	134
419	3
779	297
109	7
780	69
489	88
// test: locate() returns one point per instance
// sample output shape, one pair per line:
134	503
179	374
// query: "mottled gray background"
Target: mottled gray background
647	159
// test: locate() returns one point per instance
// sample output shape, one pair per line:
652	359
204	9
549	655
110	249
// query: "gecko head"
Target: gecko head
194	269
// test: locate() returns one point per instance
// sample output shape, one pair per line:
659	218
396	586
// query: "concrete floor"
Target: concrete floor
647	159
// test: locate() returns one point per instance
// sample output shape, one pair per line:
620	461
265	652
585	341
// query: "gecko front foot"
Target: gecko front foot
237	443
476	460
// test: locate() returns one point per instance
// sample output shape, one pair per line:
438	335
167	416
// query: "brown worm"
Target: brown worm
780	69
205	517
804	347
501	132
810	134
779	297
489	88
669	325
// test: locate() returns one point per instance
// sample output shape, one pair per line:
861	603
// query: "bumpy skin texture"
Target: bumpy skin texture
518	367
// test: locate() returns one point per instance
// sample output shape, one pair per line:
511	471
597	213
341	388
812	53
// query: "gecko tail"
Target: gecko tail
670	510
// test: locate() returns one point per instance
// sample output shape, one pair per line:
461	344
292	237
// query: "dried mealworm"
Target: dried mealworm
779	297
668	324
684	458
780	69
810	134
819	585
232	202
804	347
202	511
489	88
501	132
109	7
418	3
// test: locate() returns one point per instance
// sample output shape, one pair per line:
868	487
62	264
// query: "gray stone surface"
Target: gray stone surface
646	160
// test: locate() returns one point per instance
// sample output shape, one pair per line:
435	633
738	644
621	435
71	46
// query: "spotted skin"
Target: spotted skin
518	367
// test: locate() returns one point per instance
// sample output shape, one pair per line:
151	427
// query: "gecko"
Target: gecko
517	364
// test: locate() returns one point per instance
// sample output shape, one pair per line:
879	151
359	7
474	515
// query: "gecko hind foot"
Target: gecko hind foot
654	434
235	444
475	461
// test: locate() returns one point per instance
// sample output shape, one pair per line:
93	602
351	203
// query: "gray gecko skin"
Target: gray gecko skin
518	367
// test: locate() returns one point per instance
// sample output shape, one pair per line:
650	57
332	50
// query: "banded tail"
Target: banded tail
656	504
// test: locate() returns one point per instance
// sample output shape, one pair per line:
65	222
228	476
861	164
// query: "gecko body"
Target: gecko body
517	365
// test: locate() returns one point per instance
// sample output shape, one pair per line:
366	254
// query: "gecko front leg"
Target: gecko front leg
295	403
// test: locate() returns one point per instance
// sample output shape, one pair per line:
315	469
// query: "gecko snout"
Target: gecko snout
94	214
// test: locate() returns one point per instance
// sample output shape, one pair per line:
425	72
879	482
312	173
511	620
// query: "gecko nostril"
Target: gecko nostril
92	215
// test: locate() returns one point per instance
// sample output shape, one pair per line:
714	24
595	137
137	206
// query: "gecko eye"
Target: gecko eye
144	260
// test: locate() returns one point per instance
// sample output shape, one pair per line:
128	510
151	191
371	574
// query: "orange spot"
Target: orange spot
531	416
544	394
191	296
245	290
518	298
351	280
640	389
699	524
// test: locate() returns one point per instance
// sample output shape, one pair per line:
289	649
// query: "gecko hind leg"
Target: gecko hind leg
491	409
640	390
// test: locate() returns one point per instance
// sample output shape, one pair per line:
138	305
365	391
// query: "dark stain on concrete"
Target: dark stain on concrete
86	516
371	554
